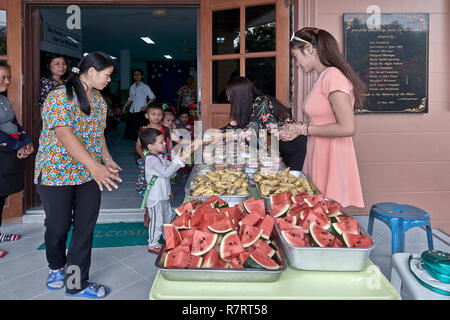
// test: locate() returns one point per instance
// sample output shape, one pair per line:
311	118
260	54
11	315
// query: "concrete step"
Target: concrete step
105	216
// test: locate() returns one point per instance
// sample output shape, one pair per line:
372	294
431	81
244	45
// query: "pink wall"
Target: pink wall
402	157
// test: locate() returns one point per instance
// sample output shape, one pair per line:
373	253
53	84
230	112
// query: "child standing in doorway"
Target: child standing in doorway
158	170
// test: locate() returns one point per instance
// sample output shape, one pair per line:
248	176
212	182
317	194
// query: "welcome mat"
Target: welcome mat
120	234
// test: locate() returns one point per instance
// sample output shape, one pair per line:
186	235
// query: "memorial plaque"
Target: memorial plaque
389	52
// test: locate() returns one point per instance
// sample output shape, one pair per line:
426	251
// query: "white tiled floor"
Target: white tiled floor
129	271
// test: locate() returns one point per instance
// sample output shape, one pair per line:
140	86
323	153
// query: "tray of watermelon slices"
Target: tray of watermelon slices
317	234
210	241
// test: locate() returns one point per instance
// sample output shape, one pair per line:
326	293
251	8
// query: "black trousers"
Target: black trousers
2	204
133	123
67	206
293	152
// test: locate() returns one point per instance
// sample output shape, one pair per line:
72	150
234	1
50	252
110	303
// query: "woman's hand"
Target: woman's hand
25	151
105	174
290	131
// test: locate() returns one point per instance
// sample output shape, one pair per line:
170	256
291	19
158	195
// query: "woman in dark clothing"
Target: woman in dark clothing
252	110
15	146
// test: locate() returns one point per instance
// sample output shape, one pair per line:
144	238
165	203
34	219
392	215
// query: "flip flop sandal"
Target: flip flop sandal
55	280
156	250
4	237
90	292
3	253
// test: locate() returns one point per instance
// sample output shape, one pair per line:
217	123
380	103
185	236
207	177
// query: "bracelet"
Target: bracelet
303	130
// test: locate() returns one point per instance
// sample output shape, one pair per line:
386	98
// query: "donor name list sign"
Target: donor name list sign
389	52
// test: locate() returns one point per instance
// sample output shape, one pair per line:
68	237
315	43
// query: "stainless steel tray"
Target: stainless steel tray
231	199
224	275
300	175
325	259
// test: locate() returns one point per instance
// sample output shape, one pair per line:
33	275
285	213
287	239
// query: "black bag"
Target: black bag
11	172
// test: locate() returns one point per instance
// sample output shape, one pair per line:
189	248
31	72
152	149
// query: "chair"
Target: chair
400	218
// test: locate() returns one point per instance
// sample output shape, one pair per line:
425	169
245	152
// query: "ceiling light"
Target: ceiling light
148	40
167	56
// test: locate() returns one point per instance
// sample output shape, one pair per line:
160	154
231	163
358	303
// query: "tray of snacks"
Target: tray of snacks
315	233
271	182
231	185
209	241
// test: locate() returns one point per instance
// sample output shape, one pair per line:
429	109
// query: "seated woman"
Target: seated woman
252	111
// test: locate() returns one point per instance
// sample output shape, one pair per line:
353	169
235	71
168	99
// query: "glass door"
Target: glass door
242	38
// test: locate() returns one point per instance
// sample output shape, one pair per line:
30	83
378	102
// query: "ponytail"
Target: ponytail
97	60
330	56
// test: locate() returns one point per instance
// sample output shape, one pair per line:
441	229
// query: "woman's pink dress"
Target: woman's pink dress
331	162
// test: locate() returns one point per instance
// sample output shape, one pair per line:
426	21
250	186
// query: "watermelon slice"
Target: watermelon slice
267	226
294	237
182	247
290	219
356	241
263	246
296	209
281	198
224	225
194	262
278	210
173	237
255	206
202	242
185	242
283	225
312	217
313	200
320	236
251	219
210	259
230	246
338	243
195	221
260	260
182	222
299	197
188	233
250	235
187	207
176	259
238	262
346	226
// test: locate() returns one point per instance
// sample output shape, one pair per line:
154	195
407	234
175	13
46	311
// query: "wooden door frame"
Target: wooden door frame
31	68
281	53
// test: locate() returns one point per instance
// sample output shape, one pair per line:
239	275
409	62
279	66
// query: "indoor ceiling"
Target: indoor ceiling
109	29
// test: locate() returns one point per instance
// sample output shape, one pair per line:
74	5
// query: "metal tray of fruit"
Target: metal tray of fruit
298	174
325	258
229	198
225	274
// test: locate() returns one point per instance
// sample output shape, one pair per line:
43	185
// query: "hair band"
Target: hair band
299	39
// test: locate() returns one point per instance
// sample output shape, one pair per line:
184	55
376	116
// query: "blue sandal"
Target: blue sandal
55	280
90	292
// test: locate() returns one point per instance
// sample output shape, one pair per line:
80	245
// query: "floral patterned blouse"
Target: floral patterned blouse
47	85
262	117
188	95
53	162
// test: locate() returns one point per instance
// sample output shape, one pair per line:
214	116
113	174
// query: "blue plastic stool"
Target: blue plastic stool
400	218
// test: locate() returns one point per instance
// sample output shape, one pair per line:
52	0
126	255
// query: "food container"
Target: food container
325	259
298	174
223	274
231	199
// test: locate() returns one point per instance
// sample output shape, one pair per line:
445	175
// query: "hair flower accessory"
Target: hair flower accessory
75	70
165	106
85	54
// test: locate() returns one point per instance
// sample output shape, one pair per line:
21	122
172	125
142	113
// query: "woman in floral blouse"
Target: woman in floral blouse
56	69
252	111
73	165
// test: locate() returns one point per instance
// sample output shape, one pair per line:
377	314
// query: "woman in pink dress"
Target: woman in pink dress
330	157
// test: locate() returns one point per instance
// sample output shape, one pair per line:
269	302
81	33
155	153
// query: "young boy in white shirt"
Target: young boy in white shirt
158	170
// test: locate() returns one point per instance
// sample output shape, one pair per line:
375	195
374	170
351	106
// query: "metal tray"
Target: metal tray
232	200
224	275
298	174
325	259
